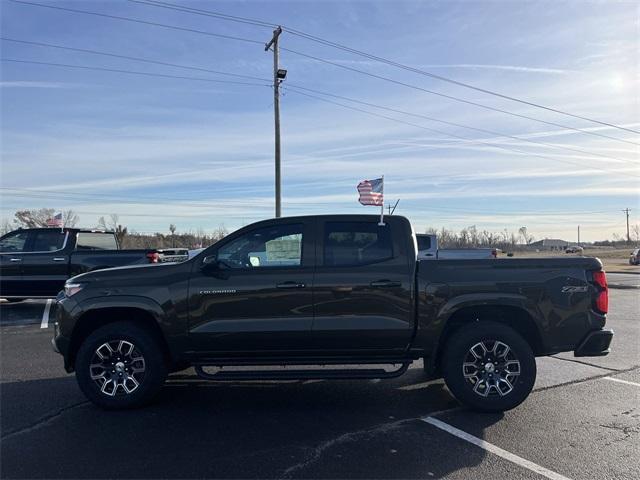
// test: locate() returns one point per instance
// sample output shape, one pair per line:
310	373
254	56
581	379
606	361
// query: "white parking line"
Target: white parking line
45	315
621	381
489	447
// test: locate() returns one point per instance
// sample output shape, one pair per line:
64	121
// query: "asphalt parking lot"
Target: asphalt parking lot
582	421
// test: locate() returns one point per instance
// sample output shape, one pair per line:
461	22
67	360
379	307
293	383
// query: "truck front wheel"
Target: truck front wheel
120	365
489	367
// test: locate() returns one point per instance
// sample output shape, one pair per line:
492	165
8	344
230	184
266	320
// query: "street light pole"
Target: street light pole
278	76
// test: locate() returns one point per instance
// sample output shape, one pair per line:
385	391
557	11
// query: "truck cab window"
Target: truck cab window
14	242
277	246
96	241
424	242
356	243
47	241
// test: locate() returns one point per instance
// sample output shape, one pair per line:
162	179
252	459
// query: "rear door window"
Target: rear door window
47	241
96	241
356	243
14	242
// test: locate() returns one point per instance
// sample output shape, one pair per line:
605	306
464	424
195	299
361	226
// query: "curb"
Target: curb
623	273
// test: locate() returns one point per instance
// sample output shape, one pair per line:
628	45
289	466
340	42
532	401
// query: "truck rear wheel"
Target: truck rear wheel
120	365
489	367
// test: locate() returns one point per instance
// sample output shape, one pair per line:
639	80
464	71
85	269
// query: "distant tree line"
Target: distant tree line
472	237
469	237
127	237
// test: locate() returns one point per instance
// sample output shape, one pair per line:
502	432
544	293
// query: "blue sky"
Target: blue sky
200	154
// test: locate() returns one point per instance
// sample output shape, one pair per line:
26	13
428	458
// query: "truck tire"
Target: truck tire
120	365
489	367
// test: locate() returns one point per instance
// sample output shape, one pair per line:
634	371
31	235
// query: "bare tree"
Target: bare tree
635	232
33	218
172	229
38	218
113	225
524	234
6	227
70	218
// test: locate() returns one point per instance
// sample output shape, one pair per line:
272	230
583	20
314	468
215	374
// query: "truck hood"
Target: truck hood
140	272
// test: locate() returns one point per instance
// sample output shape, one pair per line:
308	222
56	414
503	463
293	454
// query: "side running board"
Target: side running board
301	374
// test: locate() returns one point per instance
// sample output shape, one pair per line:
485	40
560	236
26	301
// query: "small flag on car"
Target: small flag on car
56	221
371	192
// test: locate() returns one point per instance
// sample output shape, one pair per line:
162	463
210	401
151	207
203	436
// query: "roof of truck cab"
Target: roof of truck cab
65	229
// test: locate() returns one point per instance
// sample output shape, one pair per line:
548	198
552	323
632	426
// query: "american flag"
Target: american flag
371	192
56	221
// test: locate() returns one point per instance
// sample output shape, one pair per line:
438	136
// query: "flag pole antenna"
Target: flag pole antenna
382	205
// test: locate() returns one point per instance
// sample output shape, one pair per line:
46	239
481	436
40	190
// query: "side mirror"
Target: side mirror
209	261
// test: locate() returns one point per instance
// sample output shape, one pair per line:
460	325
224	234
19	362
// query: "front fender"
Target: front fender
69	323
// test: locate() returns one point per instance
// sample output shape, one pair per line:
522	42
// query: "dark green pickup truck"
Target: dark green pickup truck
312	293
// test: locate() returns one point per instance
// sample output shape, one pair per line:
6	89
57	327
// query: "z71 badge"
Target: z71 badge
574	289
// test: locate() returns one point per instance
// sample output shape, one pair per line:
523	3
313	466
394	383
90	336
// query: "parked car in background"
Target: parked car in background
35	262
428	250
574	249
634	258
321	291
169	255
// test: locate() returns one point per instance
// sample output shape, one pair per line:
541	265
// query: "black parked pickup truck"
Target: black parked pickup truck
329	290
35	262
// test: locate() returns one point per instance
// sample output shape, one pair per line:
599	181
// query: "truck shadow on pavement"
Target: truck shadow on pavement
319	429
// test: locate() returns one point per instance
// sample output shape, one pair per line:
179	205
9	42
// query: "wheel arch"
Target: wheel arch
514	316
94	318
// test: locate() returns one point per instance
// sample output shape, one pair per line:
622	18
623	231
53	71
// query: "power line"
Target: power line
135	20
221	16
308	95
190	67
386	61
502	147
131	72
450	97
126	57
459	125
454	98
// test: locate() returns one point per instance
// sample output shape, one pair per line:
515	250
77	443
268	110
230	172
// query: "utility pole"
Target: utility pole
278	76
578	235
626	211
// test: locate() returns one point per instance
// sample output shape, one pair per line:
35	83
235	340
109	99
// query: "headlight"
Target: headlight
71	289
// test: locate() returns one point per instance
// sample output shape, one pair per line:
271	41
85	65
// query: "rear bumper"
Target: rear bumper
595	344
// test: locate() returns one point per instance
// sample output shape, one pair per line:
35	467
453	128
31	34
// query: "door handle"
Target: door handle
385	284
290	285
15	259
59	259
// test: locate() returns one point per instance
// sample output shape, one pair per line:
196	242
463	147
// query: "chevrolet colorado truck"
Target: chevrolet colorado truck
35	262
314	293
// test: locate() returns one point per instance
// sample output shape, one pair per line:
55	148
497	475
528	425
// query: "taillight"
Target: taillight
602	300
153	257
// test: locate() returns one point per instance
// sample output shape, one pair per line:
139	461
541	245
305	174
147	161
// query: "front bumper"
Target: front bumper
61	340
594	344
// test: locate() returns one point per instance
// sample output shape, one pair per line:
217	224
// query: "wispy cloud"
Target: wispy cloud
35	84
